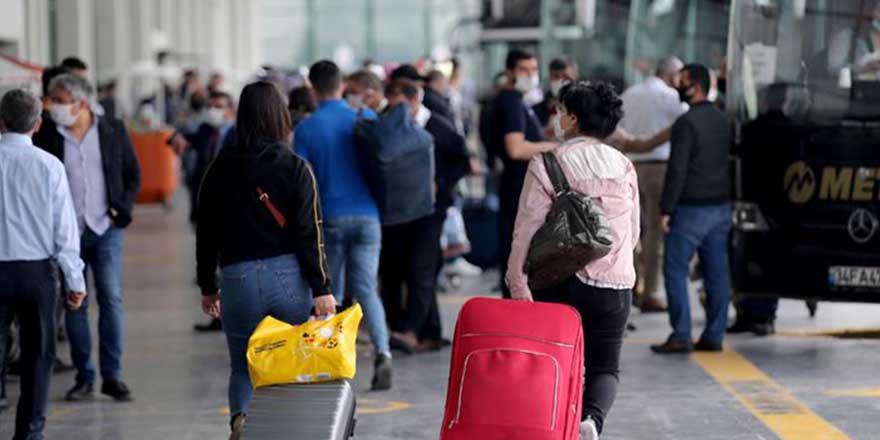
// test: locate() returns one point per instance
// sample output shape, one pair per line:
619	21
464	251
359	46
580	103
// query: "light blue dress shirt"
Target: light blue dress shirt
85	174
37	219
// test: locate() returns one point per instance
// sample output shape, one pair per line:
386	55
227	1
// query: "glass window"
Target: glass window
815	61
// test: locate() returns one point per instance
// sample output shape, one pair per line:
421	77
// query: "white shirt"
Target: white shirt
649	108
422	116
37	219
85	172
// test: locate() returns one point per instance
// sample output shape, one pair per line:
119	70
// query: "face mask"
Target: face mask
421	95
215	117
525	84
876	24
382	105
355	101
682	94
556	86
558	131
62	115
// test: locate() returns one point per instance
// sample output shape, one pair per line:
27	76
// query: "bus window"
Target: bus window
823	55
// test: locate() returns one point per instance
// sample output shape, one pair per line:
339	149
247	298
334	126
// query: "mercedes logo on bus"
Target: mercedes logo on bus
862	226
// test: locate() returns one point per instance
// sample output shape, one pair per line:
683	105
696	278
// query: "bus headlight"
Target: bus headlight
748	217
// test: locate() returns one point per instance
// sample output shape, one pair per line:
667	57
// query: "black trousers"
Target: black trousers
604	313
408	270
27	291
508	205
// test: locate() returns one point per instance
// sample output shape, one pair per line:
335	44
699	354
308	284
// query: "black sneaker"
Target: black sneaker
382	374
216	325
60	367
117	390
765	329
673	347
740	326
82	391
703	345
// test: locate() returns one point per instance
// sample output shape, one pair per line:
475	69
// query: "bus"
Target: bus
803	87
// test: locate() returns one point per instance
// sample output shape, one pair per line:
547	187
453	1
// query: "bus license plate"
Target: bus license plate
854	276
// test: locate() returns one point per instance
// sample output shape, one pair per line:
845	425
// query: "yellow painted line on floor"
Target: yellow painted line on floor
768	401
453	299
832	333
854	392
374	406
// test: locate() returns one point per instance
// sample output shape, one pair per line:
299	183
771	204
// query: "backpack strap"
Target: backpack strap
554	171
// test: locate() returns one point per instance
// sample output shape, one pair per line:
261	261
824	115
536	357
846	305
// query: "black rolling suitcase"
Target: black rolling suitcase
318	411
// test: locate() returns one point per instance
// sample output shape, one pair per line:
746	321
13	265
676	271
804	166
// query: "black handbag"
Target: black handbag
575	233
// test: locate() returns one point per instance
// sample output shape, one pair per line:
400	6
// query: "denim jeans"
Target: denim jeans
702	230
251	291
604	314
103	255
353	247
28	291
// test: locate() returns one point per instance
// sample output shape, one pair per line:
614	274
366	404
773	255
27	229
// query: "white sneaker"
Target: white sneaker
588	430
463	268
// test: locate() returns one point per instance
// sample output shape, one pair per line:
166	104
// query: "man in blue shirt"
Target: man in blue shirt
351	217
39	225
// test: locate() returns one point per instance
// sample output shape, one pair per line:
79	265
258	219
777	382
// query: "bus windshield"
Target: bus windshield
815	61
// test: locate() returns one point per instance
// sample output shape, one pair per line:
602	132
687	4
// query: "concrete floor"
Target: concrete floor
797	386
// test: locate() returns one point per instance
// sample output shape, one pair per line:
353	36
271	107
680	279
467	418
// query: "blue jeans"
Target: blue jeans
702	230
103	255
251	291
353	248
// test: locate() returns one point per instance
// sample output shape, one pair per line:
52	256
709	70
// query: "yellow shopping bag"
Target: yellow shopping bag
317	351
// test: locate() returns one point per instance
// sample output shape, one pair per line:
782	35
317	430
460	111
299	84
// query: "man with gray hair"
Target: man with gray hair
38	220
649	108
104	179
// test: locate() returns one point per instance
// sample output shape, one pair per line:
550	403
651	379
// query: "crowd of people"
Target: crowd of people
292	217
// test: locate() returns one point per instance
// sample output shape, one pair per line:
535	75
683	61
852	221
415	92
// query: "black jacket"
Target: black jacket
451	159
235	226
438	104
698	172
122	173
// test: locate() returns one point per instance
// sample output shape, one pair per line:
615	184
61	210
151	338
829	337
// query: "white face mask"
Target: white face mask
355	101
525	84
63	115
215	117
557	85
382	105
421	95
558	131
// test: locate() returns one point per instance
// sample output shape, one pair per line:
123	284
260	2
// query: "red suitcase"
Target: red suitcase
517	372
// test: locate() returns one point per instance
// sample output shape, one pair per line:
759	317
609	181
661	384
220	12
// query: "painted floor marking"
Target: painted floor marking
856	332
764	398
375	406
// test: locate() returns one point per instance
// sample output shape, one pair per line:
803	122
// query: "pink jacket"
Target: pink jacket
597	170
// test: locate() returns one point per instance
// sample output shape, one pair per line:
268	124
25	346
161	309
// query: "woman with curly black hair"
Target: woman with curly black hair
601	291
